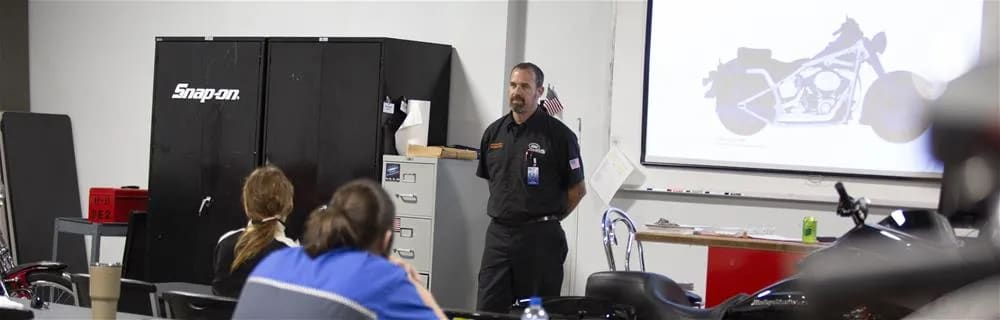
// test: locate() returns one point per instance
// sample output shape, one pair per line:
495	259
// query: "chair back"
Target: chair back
187	305
611	217
138	297
134	264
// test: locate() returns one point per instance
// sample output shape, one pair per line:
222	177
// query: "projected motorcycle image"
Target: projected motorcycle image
755	90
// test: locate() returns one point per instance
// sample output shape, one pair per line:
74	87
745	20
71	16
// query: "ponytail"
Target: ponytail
328	228
253	241
357	217
267	199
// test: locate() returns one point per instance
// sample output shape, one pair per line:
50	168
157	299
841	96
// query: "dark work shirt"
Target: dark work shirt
229	284
509	149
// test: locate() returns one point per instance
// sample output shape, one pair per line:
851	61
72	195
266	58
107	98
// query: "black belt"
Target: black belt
545	218
526	222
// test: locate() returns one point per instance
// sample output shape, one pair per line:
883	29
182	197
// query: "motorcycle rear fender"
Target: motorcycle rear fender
708	80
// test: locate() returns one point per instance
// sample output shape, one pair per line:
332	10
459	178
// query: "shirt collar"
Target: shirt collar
532	121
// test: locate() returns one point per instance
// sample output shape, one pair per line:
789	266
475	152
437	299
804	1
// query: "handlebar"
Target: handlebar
857	209
841	191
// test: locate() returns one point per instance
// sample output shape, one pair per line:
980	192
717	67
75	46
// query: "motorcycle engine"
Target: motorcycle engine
827	81
827	86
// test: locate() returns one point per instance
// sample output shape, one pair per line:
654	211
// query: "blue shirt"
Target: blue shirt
342	283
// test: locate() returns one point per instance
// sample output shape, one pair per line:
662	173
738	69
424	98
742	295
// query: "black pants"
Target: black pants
520	262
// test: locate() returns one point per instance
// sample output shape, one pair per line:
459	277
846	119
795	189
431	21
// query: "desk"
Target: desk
726	242
62	311
738	265
85	227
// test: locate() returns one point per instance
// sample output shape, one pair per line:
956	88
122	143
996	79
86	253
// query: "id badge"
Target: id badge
532	176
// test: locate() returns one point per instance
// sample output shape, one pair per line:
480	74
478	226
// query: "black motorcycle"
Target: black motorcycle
755	90
826	286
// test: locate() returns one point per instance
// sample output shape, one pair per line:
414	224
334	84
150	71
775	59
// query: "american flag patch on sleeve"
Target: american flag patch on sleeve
574	163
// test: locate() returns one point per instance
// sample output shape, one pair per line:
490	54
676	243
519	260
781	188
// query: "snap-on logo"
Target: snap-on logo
201	94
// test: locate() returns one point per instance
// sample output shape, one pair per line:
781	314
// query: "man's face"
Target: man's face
522	91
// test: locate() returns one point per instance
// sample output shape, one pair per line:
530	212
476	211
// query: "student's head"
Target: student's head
359	216
267	201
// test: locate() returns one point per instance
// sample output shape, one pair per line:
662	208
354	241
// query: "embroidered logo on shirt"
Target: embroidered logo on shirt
574	163
536	148
496	146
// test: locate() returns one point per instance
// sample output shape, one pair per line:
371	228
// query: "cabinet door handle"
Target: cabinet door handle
407	197
405	253
206	203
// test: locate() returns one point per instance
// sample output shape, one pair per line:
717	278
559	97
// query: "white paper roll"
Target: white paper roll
415	127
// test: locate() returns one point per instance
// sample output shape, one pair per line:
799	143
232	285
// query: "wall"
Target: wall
571	42
93	60
14	55
97	59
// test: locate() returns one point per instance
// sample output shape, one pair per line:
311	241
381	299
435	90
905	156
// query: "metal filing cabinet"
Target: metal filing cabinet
441	208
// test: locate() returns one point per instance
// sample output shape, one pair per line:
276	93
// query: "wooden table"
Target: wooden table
650	235
738	264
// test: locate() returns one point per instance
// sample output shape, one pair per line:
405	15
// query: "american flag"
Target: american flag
395	224
551	103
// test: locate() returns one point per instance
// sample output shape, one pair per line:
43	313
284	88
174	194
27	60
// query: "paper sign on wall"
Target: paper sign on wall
611	174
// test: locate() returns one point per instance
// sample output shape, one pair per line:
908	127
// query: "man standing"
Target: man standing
532	162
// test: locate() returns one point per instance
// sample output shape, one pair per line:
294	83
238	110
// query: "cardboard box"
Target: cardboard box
440	152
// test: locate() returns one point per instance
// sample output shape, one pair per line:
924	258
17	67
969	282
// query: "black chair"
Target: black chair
138	297
136	239
186	305
653	296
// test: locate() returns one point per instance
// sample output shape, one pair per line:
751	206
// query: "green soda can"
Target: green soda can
809	230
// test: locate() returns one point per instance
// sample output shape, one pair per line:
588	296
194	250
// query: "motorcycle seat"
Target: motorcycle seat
653	296
753	58
38	266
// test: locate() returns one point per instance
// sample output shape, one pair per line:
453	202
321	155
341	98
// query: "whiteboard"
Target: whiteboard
626	134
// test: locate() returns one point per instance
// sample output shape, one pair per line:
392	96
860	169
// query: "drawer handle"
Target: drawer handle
407	197
405	253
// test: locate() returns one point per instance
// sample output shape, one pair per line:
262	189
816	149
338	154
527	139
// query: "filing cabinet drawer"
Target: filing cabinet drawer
411	187
413	242
425	279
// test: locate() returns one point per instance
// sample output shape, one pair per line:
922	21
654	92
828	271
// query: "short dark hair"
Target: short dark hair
539	75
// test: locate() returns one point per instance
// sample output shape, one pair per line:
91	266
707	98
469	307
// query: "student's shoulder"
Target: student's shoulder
279	259
231	236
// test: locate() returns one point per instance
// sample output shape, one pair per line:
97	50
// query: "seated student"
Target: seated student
267	201
342	271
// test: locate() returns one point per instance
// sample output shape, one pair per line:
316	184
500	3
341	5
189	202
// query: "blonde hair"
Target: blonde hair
267	193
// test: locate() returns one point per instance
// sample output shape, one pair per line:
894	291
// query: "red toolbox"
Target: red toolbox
111	205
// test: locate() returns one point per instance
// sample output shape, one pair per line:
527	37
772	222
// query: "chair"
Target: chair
138	297
134	262
186	305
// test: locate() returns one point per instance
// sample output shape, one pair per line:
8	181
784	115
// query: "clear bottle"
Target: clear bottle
534	311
